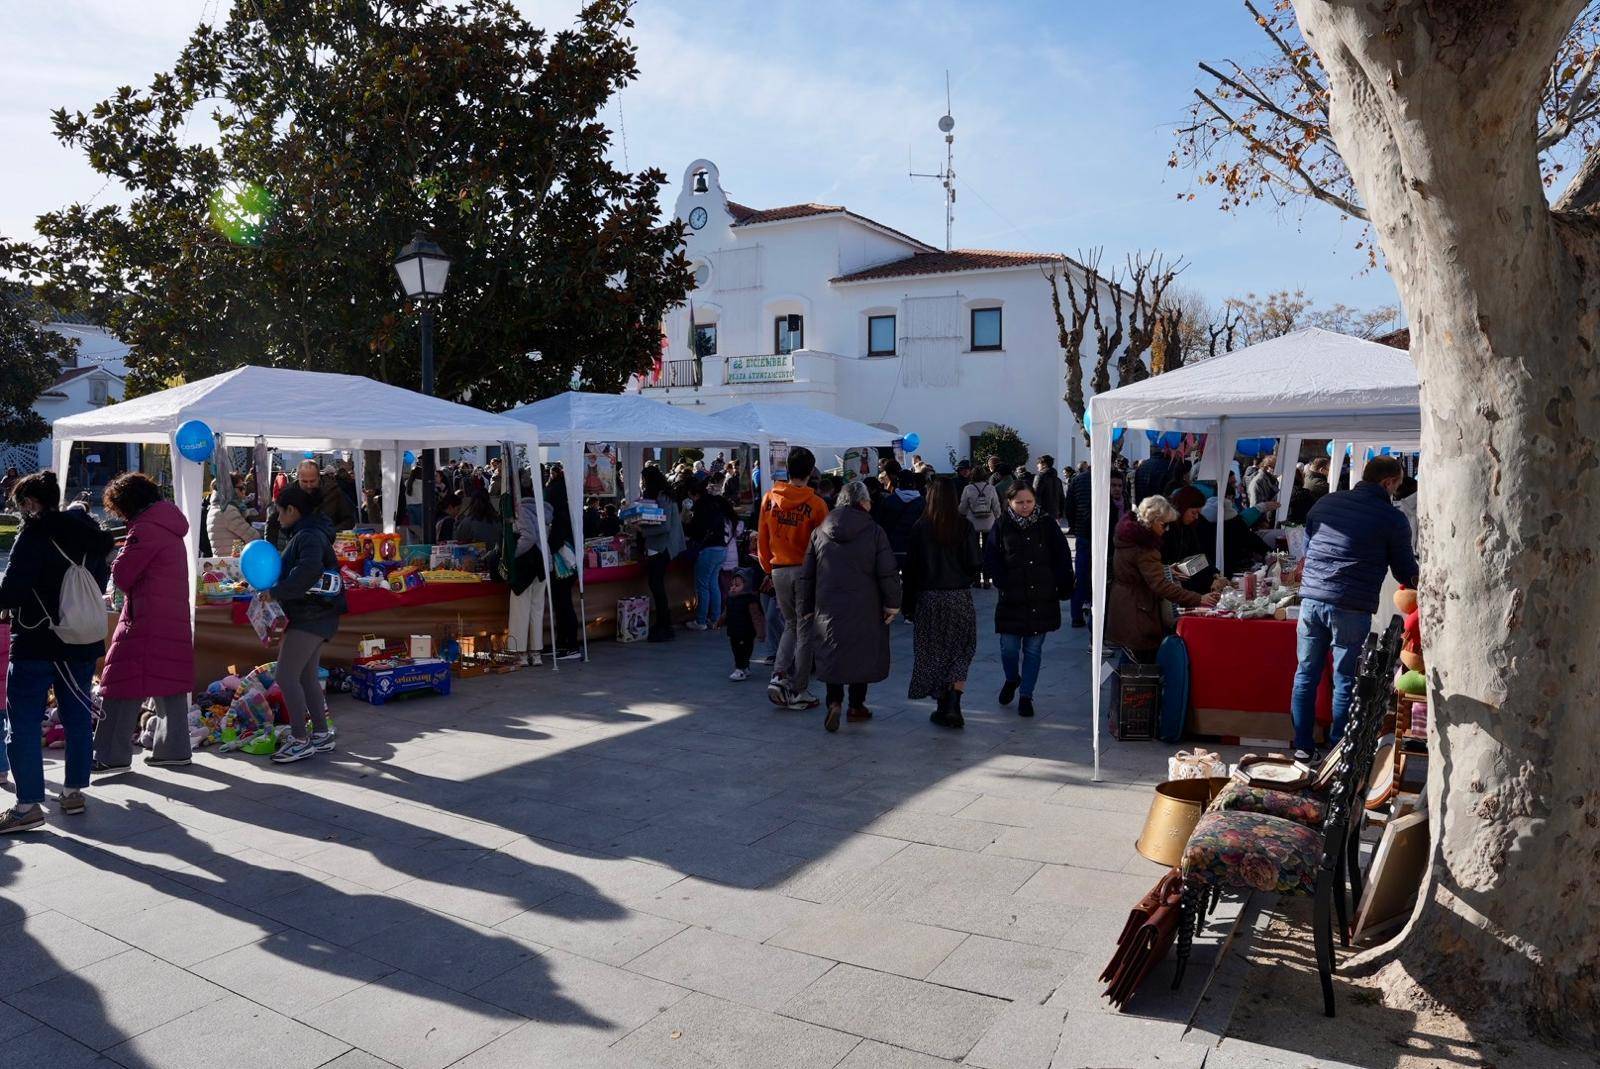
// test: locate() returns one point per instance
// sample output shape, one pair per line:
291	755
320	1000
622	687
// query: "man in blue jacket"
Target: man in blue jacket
1355	537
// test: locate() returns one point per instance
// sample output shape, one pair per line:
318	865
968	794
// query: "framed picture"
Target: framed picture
599	470
1394	877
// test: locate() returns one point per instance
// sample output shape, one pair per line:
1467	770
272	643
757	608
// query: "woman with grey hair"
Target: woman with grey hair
1139	582
850	587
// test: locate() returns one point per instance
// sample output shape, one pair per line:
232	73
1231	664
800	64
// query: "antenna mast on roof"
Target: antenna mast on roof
946	177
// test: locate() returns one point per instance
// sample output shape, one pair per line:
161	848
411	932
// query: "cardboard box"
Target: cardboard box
377	683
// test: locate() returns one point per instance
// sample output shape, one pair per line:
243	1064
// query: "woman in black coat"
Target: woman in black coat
850	587
942	562
1032	569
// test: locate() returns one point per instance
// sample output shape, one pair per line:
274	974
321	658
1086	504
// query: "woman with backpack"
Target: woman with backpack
53	587
152	651
1028	559
980	506
313	620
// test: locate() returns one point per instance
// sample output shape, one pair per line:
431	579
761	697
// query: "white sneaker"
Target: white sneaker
768	659
802	700
739	675
694	625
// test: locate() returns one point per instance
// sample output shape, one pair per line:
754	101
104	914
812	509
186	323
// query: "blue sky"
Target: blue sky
1064	114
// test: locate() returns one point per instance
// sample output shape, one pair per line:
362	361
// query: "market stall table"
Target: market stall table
224	637
1241	677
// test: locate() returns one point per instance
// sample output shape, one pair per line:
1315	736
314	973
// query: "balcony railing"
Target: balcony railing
675	373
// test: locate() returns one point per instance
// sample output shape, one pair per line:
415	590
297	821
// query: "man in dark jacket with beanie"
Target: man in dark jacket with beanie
1355	537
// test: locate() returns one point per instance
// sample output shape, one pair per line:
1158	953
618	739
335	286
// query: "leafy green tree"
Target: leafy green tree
1003	442
337	129
30	355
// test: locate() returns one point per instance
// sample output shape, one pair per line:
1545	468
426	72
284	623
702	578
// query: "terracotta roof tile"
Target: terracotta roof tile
746	216
1399	339
940	263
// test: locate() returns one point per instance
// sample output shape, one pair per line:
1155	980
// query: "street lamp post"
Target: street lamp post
423	268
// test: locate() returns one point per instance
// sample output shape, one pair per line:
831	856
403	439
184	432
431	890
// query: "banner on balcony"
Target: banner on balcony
752	369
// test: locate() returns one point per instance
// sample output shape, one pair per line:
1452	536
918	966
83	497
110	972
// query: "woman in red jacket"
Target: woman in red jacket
152	650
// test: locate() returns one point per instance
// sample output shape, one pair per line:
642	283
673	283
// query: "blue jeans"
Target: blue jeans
1031	649
1321	626
707	591
1082	574
775	625
28	685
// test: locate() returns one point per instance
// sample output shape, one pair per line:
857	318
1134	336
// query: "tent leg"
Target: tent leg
583	623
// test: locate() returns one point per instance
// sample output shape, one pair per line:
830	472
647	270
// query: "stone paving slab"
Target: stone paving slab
121	996
705	1031
232	1032
882	943
412	1022
731	968
925	1017
292	972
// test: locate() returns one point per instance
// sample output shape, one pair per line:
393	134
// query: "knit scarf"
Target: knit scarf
1027	521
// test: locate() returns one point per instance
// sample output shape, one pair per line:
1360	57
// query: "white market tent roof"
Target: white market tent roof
767	421
1316	382
1312	383
295	410
603	417
309	410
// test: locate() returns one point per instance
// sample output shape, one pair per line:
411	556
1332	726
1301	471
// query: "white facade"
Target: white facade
96	378
839	272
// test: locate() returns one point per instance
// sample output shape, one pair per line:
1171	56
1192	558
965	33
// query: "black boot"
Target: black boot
941	715
1009	691
954	713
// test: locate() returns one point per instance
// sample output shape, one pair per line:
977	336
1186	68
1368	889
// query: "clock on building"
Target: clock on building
697	218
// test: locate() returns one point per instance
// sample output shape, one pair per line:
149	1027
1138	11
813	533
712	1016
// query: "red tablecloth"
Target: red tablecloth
362	600
1241	677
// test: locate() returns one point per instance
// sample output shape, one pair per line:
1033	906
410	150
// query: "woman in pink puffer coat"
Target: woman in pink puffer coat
152	650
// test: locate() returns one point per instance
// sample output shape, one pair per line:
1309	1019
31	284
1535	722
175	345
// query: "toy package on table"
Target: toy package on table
267	617
642	512
633	618
457	556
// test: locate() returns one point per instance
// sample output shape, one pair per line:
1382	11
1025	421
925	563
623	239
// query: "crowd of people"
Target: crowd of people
824	564
819	569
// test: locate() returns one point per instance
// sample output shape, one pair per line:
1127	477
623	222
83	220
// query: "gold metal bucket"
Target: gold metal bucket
1174	812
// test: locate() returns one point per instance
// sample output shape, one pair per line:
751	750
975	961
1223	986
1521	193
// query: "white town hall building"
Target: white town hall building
813	304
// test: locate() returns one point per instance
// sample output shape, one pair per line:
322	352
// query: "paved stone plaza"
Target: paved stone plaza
633	862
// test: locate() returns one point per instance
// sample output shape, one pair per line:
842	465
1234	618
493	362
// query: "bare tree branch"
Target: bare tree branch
1583	192
1581	104
1317	91
1310	187
1319	130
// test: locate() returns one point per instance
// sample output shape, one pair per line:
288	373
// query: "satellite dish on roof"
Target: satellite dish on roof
946	123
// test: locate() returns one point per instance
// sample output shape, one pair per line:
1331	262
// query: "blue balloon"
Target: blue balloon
1116	435
410	458
913	440
194	441
308	454
260	565
1088	424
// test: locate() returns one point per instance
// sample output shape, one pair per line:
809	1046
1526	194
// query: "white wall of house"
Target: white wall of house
935	384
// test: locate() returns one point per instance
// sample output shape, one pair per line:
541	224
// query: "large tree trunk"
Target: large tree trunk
1433	108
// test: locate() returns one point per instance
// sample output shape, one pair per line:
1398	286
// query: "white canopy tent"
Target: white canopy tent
569	421
295	410
1312	383
761	423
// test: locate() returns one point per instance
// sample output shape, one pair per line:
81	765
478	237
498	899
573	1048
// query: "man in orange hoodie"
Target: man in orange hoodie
789	513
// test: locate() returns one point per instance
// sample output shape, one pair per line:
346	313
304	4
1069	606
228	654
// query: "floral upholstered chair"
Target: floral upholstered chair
1240	849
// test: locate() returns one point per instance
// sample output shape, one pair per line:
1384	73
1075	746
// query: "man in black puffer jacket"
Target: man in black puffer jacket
1047	488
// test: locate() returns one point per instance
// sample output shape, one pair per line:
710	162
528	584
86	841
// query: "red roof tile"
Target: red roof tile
746	216
940	263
